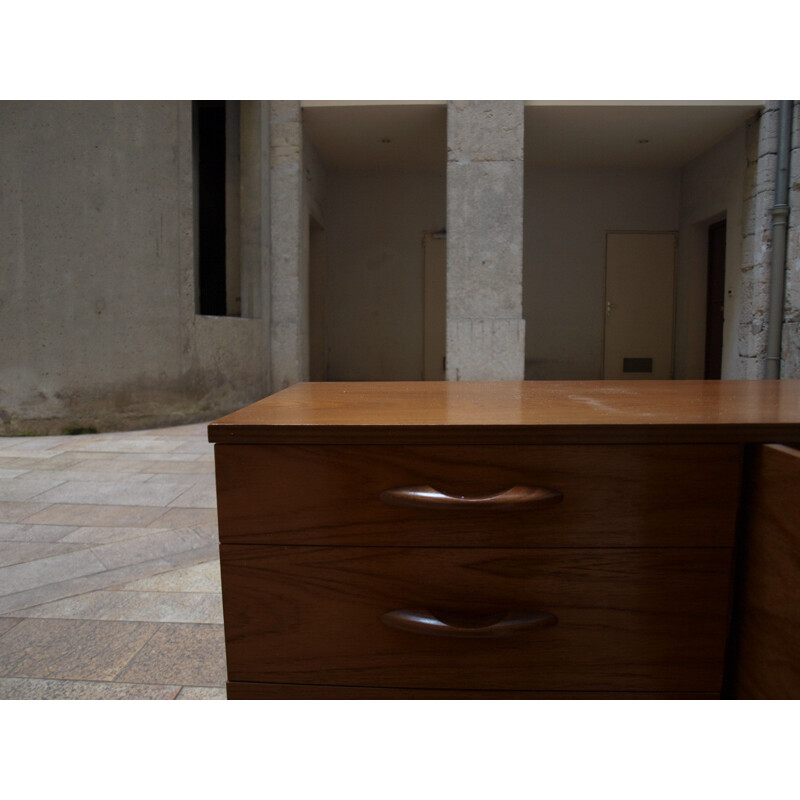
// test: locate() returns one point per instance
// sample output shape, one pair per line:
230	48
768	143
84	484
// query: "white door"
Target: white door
640	302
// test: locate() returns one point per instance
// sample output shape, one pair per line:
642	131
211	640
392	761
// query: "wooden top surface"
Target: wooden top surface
544	412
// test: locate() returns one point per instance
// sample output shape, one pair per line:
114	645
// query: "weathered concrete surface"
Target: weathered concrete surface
97	315
485	329
757	244
289	326
791	319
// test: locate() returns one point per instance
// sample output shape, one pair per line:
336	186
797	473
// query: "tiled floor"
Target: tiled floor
109	570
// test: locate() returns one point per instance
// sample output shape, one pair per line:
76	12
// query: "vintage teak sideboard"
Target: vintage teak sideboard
502	540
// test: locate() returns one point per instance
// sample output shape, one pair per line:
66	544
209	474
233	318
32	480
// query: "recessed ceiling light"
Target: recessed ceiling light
386	141
644	141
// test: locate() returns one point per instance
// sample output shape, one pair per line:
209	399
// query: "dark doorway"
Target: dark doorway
715	300
209	141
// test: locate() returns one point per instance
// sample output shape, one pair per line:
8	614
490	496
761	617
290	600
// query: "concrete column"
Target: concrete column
791	313
255	215
289	301
485	329
762	157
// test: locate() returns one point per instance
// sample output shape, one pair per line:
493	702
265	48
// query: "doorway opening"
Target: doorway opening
715	300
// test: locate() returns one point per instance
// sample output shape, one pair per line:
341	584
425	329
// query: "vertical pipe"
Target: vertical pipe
780	215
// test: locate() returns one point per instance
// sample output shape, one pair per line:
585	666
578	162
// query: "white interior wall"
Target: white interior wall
568	211
374	225
712	188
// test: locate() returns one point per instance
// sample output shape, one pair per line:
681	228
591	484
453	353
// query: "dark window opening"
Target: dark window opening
209	126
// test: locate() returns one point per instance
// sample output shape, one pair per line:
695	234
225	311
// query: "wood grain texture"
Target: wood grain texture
644	495
628	620
529	412
769	610
288	691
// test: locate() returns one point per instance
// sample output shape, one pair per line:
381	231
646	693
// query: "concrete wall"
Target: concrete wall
790	368
374	224
97	317
567	214
711	190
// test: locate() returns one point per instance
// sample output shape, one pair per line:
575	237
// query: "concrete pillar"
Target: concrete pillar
255	216
289	301
762	156
485	329
791	314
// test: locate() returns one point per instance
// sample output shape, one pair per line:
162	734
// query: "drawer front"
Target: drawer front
479	496
290	691
649	620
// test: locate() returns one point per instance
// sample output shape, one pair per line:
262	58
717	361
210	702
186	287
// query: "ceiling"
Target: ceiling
414	136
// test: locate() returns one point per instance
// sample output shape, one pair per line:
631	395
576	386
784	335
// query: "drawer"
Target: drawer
479	496
589	620
293	691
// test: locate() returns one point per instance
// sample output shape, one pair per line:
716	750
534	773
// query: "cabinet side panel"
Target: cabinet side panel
769	609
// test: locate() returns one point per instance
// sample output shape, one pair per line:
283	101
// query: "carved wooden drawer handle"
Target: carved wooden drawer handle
515	497
463	626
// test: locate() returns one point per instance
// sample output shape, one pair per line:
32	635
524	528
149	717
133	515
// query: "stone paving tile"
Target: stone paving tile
102	516
12	603
116	444
106	535
23	532
6	624
202	693
38	689
203	577
74	649
31	574
136	606
26	488
186	518
20	552
185	478
15	512
12	473
118	493
196	497
178	653
157	545
95	476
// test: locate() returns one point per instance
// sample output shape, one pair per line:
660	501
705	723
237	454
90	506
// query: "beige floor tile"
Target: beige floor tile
190	655
117	493
202	693
89	475
73	649
185	518
98	535
32	574
27	487
11	473
23	532
197	497
143	548
197	578
36	689
20	552
96	515
6	624
17	512
13	603
131	606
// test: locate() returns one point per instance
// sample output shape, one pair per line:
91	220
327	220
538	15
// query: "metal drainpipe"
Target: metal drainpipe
780	216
